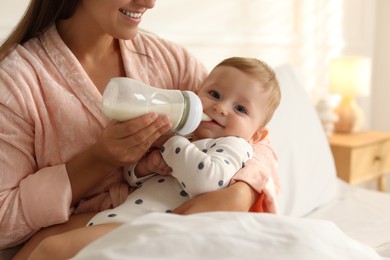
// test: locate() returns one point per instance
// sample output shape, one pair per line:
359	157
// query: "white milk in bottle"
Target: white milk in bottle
126	98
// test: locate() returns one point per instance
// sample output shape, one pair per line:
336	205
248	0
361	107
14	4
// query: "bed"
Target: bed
321	217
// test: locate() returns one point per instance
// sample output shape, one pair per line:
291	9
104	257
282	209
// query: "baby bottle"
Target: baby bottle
125	98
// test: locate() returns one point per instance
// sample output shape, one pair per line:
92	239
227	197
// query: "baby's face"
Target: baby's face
235	101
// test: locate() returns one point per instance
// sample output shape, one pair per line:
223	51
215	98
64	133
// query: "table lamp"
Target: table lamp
350	77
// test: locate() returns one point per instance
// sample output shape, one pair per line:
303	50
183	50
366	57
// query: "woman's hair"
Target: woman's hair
264	73
39	16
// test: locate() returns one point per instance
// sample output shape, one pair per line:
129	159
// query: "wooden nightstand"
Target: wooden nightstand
362	156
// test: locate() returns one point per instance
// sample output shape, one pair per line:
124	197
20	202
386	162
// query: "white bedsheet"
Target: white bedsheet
223	235
362	214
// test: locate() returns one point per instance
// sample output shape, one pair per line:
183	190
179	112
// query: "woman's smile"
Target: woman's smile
134	15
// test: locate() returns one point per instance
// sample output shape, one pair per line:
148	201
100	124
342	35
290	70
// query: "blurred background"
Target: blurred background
305	33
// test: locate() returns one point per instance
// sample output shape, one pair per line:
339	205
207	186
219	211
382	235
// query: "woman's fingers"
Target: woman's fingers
128	141
147	135
131	127
154	132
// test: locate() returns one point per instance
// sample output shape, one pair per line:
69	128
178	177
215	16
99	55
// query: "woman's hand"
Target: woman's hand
236	197
121	143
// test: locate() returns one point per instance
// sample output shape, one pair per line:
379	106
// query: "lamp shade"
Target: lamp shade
350	76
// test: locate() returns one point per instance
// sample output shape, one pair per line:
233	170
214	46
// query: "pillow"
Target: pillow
306	167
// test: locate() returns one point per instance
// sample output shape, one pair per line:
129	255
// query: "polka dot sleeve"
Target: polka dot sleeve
205	165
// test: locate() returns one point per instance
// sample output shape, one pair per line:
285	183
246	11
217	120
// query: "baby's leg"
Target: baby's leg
74	222
68	244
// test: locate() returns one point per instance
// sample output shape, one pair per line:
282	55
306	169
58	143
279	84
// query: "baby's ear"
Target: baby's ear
259	135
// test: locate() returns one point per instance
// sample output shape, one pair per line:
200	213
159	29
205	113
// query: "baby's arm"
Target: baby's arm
205	165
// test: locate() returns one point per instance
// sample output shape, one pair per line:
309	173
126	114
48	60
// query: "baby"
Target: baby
240	95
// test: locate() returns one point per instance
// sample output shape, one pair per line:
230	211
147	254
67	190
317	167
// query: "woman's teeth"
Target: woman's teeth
130	14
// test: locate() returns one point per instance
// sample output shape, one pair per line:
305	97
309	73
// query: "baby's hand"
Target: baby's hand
157	163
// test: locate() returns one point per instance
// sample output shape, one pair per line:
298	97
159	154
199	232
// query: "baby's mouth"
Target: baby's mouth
213	121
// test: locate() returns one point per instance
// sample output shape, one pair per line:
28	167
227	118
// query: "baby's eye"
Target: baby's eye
241	109
214	94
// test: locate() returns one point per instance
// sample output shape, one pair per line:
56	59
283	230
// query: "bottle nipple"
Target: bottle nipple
205	117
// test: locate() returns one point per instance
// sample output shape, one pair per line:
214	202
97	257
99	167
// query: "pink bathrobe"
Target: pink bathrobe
50	111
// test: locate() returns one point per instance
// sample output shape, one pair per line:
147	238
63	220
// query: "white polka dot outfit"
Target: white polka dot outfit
205	165
198	167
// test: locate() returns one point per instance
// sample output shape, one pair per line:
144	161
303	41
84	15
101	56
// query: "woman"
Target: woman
59	155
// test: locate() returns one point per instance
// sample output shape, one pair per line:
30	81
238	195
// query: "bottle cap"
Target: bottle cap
194	114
